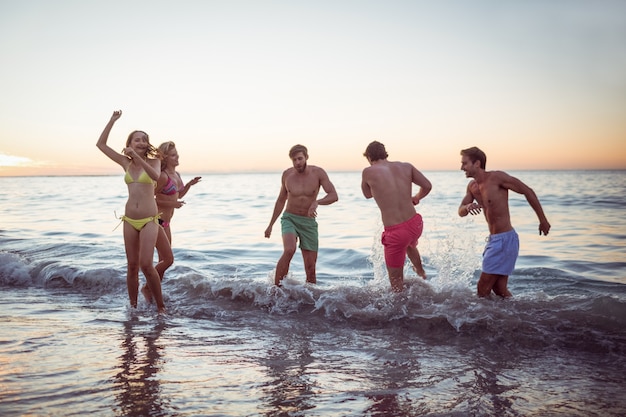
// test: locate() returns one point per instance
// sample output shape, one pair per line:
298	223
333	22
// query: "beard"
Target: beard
301	168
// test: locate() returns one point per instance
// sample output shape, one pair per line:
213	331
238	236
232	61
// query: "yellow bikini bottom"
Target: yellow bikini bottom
139	224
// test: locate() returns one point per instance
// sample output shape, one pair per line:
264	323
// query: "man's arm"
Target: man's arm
365	187
425	186
331	194
468	206
330	197
519	187
278	206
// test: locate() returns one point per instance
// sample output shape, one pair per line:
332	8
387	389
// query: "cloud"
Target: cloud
12	161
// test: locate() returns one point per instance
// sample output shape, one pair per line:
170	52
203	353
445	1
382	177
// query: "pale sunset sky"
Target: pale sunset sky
537	84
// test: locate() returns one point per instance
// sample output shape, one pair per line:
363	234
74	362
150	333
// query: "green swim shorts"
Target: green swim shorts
305	228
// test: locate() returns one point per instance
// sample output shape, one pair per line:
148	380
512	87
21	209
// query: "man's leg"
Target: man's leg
416	260
396	278
310	259
289	248
495	282
394	254
501	288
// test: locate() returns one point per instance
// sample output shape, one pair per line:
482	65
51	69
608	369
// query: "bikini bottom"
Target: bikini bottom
139	224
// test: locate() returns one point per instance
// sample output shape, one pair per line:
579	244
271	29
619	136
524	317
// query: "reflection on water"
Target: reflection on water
290	386
137	385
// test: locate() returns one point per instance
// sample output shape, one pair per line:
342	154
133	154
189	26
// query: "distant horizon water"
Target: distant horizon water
201	172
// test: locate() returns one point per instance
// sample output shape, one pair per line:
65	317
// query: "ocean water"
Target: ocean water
232	344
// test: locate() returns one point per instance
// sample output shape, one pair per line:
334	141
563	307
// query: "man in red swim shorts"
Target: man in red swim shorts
391	183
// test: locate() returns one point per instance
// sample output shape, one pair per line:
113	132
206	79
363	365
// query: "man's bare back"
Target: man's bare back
390	184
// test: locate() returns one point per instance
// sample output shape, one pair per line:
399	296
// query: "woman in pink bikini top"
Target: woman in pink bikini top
168	192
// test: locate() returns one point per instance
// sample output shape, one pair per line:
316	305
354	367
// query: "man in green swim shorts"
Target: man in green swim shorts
299	188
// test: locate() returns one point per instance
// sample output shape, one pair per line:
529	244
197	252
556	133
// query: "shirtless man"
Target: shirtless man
299	188
391	183
489	191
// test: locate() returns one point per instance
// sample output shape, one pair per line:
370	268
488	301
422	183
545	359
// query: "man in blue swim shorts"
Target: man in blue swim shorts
489	192
299	188
501	253
391	183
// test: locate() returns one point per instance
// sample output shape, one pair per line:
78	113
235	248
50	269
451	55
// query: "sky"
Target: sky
536	84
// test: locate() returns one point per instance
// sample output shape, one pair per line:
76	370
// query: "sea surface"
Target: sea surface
232	344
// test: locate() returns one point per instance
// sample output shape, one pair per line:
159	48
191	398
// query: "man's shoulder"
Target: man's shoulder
317	170
497	175
408	166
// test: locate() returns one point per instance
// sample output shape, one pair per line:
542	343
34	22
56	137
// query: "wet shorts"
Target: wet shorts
397	238
305	228
501	253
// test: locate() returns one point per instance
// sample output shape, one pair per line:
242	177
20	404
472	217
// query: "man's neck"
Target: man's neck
480	176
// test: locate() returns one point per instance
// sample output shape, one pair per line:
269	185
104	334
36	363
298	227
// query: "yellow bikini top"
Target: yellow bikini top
143	178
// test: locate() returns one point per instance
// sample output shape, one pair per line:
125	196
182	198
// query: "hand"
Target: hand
415	200
268	232
194	181
313	209
180	203
473	208
116	115
544	227
130	152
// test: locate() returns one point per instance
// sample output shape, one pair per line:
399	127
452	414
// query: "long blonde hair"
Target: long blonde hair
163	150
151	152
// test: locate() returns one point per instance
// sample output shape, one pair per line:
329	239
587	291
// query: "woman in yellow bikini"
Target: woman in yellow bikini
141	228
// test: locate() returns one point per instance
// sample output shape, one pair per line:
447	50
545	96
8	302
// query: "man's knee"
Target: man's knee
485	284
501	287
489	282
288	253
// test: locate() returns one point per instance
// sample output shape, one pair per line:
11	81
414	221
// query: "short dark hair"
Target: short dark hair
375	151
475	154
298	148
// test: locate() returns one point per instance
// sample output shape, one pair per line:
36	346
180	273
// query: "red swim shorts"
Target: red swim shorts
397	238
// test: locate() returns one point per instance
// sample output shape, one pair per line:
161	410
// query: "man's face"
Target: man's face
468	166
299	161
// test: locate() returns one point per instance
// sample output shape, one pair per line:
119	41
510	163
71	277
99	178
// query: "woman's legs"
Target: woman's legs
147	242
131	245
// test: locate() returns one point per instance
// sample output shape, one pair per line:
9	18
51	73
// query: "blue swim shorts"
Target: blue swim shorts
305	228
501	253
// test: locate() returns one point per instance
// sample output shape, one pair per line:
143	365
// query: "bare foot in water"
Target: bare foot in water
420	272
145	290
